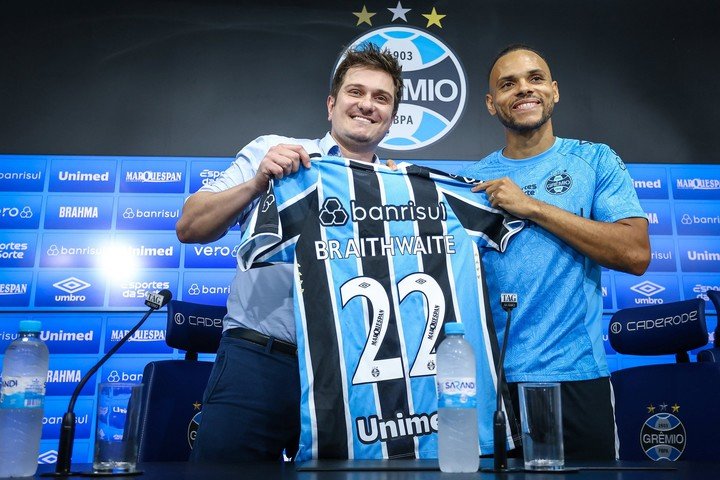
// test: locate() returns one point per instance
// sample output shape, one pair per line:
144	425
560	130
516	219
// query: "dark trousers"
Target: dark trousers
588	419
251	407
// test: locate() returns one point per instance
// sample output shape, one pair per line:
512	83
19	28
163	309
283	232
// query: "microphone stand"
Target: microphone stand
508	301
67	428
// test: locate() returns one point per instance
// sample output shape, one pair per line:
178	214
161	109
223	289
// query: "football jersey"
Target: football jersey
557	331
382	260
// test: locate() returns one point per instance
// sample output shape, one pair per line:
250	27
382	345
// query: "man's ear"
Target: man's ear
490	104
330	105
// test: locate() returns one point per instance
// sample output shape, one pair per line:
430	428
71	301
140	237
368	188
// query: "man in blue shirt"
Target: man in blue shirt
583	213
251	408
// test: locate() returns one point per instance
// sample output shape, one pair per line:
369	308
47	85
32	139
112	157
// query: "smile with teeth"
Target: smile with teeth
526	105
362	119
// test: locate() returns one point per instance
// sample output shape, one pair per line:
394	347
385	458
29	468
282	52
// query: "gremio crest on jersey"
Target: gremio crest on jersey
434	81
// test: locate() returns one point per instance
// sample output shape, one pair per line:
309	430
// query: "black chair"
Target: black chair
173	389
713	354
665	411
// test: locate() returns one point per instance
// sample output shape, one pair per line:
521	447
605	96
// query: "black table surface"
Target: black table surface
407	470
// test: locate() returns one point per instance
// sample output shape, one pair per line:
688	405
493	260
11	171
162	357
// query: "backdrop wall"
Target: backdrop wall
121	88
202	78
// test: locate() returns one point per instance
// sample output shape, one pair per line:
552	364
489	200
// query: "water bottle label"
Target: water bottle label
22	392
457	393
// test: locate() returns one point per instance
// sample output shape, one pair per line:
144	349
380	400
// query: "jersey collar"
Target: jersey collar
530	160
330	148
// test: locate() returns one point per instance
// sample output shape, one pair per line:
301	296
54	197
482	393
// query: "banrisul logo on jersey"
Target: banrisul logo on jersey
435	86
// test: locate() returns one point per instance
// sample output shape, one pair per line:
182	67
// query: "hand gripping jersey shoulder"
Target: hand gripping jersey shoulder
383	259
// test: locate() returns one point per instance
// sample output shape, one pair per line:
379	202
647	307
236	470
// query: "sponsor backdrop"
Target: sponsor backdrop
113	112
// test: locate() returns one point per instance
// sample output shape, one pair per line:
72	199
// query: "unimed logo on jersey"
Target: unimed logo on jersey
81	212
153	175
83	174
20	211
434	83
15	287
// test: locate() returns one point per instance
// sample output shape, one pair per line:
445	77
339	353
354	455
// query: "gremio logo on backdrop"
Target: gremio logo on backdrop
434	81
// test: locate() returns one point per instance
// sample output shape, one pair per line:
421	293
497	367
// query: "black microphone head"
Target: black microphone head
158	300
167	296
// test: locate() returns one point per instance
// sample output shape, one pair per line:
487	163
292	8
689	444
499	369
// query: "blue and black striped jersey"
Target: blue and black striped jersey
382	260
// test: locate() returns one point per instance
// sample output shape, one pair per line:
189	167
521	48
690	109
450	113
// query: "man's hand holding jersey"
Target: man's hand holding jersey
280	160
504	193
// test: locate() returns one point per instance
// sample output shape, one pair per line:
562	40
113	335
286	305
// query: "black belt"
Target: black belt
258	338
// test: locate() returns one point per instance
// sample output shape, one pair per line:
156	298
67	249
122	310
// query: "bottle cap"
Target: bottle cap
454	328
30	325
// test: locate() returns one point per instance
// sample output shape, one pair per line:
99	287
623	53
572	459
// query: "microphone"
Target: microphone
508	301
154	301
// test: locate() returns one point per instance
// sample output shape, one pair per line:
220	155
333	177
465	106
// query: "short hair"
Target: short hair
369	55
512	48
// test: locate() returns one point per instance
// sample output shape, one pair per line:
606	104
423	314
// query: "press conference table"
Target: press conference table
409	470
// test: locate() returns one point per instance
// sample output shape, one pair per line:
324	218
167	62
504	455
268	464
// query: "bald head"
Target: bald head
514	48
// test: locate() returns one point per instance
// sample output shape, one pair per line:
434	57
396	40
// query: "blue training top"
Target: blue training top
556	329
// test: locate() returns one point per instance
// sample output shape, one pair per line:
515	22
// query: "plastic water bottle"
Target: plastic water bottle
458	441
22	399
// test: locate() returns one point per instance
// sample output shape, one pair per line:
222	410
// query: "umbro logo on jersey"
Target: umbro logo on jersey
332	213
269	200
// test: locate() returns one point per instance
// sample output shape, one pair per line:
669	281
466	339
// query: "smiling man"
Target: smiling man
584	214
251	409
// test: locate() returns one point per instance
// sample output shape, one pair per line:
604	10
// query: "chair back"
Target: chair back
173	392
665	411
713	354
